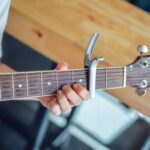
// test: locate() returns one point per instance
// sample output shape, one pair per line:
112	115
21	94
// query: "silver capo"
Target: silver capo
91	64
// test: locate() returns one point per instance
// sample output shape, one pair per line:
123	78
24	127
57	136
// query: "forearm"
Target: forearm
5	68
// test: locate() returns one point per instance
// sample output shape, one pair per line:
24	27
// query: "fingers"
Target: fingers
52	105
83	93
66	98
74	98
62	66
63	102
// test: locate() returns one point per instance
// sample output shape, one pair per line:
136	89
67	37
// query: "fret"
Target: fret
115	78
34	84
81	76
49	83
20	85
64	78
100	79
6	86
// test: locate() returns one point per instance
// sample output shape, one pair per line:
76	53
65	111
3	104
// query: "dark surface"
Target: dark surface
23	58
10	139
133	138
144	4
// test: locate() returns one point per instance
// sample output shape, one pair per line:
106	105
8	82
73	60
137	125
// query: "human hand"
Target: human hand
65	98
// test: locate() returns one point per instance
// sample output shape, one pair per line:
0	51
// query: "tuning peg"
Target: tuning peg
141	92
142	49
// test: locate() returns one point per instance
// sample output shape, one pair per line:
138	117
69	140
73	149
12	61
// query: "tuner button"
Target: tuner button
142	49
141	92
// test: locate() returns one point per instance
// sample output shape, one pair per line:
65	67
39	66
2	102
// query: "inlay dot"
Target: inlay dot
20	85
48	83
80	80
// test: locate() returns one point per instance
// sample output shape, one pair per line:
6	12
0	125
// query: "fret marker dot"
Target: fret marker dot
80	81
20	85
49	83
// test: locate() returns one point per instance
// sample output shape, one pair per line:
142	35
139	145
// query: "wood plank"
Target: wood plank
60	30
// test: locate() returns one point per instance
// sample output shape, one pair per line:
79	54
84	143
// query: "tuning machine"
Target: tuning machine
141	92
142	49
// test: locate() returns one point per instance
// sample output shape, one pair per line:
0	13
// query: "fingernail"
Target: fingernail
64	87
59	92
75	85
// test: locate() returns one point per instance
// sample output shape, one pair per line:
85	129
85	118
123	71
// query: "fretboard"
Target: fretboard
45	83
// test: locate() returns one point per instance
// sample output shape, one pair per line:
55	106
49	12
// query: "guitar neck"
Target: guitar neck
22	85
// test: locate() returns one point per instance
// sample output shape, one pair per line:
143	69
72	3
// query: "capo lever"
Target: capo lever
92	64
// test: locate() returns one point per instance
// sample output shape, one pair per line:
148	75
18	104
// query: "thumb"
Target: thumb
62	66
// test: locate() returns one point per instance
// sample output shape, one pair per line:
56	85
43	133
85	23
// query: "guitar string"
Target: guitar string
83	70
52	88
63	75
5	98
35	80
111	76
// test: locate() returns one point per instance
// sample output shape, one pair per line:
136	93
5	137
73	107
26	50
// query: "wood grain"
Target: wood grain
61	29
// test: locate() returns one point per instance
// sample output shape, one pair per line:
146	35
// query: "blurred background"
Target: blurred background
100	124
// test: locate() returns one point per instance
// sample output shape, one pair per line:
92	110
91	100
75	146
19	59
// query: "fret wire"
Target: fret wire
42	82
13	86
57	78
72	76
106	77
27	84
125	76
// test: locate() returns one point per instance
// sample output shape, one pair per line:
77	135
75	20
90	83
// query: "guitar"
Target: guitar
45	83
21	85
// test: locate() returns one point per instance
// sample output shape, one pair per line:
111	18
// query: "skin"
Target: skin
67	97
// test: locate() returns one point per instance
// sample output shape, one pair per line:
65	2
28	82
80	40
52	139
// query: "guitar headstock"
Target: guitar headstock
138	73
